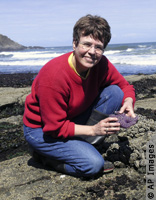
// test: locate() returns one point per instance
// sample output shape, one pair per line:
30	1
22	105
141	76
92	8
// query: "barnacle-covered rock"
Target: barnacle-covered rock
130	147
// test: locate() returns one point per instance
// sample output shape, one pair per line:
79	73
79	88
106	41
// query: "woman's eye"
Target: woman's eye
87	44
99	48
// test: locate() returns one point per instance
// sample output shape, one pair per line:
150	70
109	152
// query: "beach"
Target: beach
21	177
129	59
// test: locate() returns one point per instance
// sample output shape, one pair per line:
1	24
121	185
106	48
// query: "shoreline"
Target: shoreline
17	79
26	79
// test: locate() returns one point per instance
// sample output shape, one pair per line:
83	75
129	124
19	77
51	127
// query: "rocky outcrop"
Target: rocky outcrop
10	96
145	87
24	179
6	44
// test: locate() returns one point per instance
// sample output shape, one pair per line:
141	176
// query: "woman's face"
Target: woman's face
87	53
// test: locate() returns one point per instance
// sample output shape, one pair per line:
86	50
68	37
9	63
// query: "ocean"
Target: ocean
129	59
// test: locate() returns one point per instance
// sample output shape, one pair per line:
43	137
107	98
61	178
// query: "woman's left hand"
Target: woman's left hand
128	107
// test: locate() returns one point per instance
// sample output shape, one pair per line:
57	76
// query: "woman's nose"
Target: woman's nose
92	50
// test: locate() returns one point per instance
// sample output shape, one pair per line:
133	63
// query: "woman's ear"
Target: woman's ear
74	45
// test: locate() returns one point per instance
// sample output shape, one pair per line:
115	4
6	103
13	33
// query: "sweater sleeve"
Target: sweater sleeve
53	111
115	78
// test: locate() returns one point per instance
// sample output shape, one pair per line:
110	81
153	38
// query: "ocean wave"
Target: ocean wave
119	59
117	47
30	55
142	46
4	56
144	60
132	58
111	52
129	49
24	63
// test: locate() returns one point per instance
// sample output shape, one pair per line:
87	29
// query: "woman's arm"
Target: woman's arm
106	126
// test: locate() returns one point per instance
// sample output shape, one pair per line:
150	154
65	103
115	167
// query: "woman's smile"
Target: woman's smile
90	59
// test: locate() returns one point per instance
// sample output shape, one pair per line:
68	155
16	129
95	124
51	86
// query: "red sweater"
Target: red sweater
59	94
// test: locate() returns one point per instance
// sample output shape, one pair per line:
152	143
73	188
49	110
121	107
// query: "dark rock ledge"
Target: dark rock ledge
24	179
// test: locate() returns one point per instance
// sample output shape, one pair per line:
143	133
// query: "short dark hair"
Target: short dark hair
96	26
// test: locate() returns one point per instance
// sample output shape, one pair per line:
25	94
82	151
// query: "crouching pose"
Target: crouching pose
67	113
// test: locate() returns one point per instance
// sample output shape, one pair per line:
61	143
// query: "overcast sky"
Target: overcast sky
50	22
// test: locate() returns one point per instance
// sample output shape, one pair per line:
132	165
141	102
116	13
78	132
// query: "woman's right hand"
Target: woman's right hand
110	125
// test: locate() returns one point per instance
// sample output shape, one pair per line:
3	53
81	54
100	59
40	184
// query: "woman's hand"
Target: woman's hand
128	107
106	126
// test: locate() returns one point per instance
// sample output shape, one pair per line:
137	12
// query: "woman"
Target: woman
72	96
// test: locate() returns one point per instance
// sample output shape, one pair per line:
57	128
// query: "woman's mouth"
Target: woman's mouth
90	59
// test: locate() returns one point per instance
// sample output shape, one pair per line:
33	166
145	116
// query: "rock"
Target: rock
23	179
17	120
19	80
119	164
150	104
6	44
11	95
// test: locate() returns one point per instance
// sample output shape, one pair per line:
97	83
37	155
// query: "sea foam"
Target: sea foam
127	58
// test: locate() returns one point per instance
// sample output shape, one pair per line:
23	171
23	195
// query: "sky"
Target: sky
50	22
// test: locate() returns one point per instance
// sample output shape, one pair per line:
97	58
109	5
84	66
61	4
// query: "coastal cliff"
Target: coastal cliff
24	179
6	44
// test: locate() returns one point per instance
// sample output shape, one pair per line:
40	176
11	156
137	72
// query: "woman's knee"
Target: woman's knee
116	97
93	166
110	99
97	165
112	92
115	92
